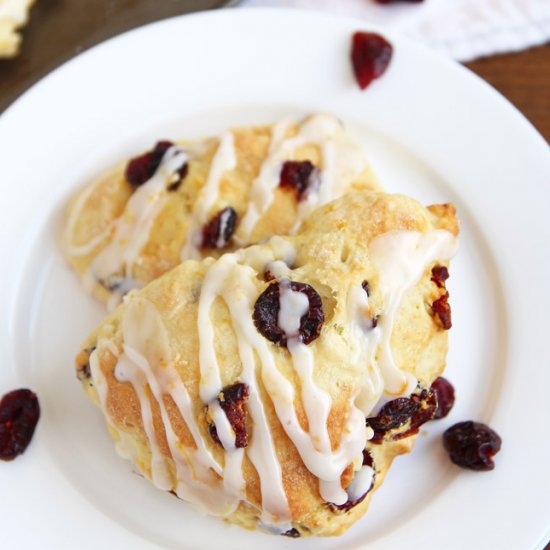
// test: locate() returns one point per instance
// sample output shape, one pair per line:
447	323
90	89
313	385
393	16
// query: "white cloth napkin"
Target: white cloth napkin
464	29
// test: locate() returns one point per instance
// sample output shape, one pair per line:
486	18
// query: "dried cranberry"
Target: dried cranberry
292	533
445	397
393	414
439	275
370	56
19	414
472	445
367	459
218	231
266	314
299	176
140	169
179	176
427	406
418	408
232	400
441	309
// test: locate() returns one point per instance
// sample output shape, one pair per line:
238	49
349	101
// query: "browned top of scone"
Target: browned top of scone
331	256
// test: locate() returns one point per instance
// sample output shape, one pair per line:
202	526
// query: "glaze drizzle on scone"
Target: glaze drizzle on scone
211	475
142	219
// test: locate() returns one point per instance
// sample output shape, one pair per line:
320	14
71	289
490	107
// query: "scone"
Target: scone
13	15
274	385
200	199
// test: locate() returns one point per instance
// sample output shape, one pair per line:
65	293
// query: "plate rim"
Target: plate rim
20	101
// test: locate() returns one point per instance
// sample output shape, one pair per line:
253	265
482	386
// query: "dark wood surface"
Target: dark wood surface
59	29
524	78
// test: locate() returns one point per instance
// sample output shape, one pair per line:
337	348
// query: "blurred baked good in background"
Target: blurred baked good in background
13	15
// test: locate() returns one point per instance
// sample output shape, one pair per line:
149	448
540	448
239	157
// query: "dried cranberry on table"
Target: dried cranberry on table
219	230
268	305
472	445
370	56
299	176
140	169
19	414
445	393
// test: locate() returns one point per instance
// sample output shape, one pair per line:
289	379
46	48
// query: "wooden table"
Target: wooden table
523	78
59	29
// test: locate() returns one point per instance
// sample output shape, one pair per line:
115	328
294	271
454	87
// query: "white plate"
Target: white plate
432	129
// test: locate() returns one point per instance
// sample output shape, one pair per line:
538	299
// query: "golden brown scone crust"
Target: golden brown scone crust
109	197
331	255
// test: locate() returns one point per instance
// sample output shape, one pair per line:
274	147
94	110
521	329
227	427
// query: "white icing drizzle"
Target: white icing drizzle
363	344
317	403
224	220
226	279
237	288
400	259
343	161
133	227
225	432
130	231
125	371
146	363
362	480
224	160
100	382
81	200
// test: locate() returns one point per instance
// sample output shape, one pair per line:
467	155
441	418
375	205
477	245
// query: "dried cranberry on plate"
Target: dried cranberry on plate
370	57
472	445
445	393
19	414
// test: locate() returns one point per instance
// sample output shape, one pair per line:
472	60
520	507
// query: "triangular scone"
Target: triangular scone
243	383
200	199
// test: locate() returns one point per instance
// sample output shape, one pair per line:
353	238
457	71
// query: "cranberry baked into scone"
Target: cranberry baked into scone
197	199
273	386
